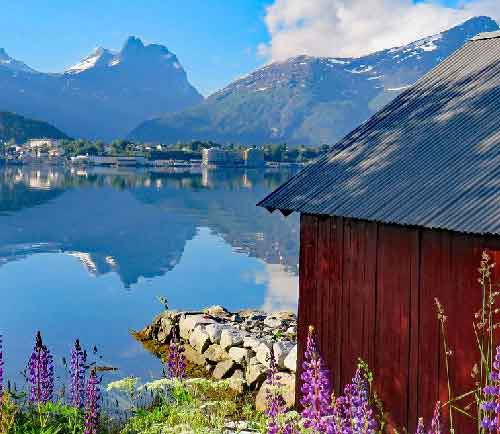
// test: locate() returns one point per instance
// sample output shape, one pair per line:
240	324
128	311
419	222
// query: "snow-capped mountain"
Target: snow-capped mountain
12	64
309	100
103	96
100	57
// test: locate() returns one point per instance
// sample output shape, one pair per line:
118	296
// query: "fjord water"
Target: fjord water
86	254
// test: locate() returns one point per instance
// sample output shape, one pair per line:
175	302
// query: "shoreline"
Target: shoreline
234	346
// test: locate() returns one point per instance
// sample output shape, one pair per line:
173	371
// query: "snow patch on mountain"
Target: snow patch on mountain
98	57
14	65
134	51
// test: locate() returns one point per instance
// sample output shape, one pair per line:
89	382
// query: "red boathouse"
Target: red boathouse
398	213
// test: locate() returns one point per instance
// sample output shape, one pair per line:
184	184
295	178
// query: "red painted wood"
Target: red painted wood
307	284
325	304
358	305
413	401
369	290
429	340
334	300
394	281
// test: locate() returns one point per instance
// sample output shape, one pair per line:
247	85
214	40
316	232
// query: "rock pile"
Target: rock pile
234	345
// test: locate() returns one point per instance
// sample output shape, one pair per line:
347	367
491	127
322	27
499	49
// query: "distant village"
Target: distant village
123	153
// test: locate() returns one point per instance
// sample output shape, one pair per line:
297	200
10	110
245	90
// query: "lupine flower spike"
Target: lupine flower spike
436	420
491	406
92	397
352	411
41	373
362	418
275	404
316	389
420	426
77	376
176	362
1	367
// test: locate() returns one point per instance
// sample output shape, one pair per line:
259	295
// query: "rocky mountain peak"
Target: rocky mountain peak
12	64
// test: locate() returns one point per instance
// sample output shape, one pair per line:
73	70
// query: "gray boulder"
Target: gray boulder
255	373
215	353
239	355
281	351
287	391
188	323
291	360
199	339
223	369
214	331
230	338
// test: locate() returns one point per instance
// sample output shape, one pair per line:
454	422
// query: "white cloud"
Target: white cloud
282	288
348	28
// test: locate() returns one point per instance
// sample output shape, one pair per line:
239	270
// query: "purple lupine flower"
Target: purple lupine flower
360	415
275	404
491	406
77	376
1	367
176	362
316	389
420	426
41	373
92	397
436	427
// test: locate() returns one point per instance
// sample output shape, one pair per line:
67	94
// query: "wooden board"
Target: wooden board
369	290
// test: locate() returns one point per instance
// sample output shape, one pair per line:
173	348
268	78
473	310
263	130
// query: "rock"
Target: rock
188	323
274	323
287	390
162	337
263	354
230	338
215	353
255	373
285	315
281	351
223	369
148	332
199	339
236	318
214	331
237	381
238	428
239	355
291	360
253	343
255	315
194	356
216	310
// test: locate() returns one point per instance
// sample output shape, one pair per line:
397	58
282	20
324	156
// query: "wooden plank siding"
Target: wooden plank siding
369	290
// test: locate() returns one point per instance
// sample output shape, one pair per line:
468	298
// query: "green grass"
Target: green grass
163	406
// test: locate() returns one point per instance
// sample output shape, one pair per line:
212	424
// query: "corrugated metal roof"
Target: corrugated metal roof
430	158
486	35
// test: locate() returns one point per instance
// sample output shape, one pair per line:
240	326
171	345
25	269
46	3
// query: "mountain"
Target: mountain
11	64
309	100
105	95
20	129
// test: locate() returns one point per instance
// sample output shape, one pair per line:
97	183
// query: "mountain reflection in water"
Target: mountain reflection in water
85	253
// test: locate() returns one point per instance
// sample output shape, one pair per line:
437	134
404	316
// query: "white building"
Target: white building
44	147
254	157
222	157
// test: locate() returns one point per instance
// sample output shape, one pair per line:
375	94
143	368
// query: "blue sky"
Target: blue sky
215	40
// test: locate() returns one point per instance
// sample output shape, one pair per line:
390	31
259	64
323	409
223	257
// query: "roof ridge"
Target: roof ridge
486	35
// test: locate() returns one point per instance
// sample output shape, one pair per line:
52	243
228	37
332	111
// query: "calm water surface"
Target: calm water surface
86	253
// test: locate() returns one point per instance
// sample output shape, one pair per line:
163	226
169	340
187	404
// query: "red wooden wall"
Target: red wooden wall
369	290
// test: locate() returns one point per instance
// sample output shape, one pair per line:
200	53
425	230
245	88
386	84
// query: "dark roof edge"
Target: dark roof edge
486	35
